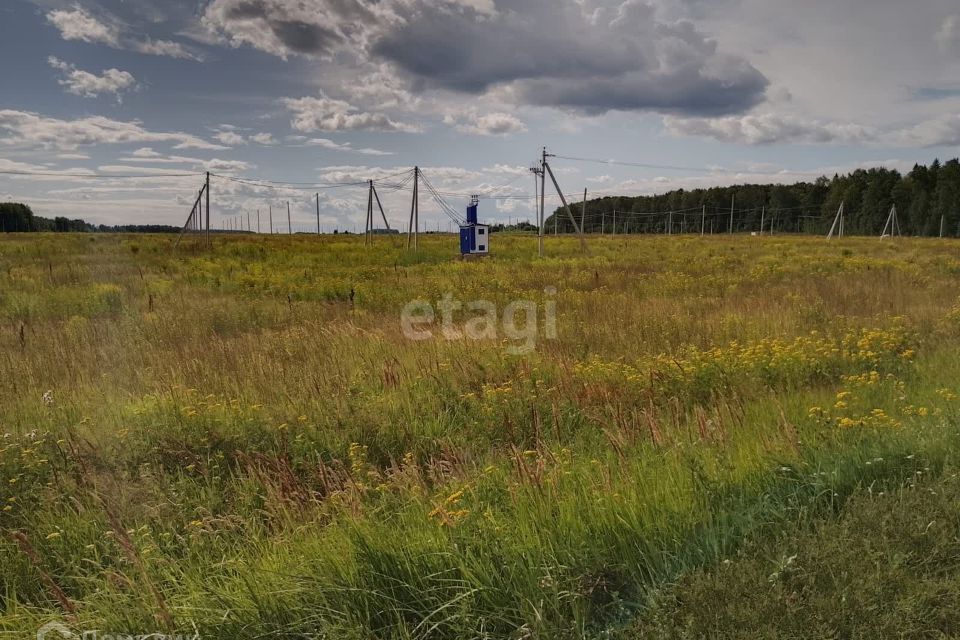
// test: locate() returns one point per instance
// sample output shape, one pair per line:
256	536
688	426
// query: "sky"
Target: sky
112	110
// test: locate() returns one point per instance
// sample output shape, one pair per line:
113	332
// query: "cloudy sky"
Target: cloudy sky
318	92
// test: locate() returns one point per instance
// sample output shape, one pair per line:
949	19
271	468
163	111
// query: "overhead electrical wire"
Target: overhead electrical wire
644	165
262	182
388	184
446	208
99	176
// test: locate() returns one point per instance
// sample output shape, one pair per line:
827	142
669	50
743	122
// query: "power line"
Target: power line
297	186
263	182
644	165
100	176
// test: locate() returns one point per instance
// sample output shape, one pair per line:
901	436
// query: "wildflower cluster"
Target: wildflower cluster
24	468
450	512
698	374
856	404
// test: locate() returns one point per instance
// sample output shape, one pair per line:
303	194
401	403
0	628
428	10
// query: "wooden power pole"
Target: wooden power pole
413	230
733	201
563	199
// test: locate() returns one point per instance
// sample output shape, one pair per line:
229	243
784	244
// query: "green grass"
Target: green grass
233	446
886	567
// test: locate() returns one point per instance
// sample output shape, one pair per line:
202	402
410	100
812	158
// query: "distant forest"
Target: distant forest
924	197
16	217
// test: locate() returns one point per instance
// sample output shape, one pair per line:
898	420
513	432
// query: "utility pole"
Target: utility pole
703	220
368	231
614	222
837	223
289	224
271	219
563	199
892	223
207	188
583	213
543	203
380	206
249	228
414	229
538	205
941	226
318	213
733	200
258	221
603	221
763	214
670	224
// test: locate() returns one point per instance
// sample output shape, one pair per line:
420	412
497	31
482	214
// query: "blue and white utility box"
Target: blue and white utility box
474	237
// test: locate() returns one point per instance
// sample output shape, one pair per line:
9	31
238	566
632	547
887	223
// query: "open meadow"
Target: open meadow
246	443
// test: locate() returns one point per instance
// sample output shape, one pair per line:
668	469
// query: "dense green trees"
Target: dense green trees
19	218
15	216
925	198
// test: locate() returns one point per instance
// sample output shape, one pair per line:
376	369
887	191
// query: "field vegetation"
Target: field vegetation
242	443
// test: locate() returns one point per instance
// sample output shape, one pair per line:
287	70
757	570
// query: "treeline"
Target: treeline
16	217
925	198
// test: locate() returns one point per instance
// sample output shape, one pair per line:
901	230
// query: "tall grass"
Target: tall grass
242	443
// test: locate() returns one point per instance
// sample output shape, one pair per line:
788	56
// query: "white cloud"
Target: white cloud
604	179
161	159
507	169
367	151
230	138
78	24
228	134
382	87
29	129
227	166
164	48
769	128
123	169
326	114
89	85
326	143
263	138
29	168
489	124
948	36
940	131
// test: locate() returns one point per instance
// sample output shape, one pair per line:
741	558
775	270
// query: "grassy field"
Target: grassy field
243	443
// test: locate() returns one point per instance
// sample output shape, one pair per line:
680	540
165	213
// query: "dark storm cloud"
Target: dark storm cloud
280	27
587	57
